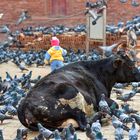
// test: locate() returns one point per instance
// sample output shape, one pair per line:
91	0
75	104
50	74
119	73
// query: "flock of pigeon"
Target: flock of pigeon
121	27
13	89
134	3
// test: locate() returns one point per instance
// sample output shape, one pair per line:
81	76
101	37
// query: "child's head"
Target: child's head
55	41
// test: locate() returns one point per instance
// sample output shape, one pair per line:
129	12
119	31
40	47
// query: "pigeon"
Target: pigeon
118	91
135	84
57	135
19	135
116	123
119	85
45	132
125	118
11	110
99	136
89	133
1	135
96	126
133	132
131	37
39	137
8	77
123	1
97	116
3	110
136	117
75	136
22	68
24	15
36	80
127	96
94	15
103	105
4	117
119	135
4	29
71	128
107	50
69	135
127	109
135	3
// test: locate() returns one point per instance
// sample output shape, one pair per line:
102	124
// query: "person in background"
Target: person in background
55	54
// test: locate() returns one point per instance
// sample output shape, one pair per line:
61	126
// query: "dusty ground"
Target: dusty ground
10	126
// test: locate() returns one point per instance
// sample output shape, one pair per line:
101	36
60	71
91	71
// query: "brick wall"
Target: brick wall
40	10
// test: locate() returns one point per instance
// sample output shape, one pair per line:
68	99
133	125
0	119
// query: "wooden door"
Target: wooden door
58	8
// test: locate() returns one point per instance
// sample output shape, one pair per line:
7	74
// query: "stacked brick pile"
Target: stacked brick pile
69	40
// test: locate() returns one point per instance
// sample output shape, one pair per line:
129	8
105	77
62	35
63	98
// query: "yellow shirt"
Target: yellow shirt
55	54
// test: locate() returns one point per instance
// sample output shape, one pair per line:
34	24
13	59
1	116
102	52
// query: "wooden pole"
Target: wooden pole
104	27
87	34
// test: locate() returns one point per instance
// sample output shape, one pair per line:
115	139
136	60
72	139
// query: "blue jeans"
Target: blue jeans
56	64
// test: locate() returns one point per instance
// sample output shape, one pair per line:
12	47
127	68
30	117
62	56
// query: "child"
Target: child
55	54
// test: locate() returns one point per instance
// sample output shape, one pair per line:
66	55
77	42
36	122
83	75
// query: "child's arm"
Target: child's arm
47	58
64	52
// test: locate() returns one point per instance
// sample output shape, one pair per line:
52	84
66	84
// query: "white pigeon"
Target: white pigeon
107	50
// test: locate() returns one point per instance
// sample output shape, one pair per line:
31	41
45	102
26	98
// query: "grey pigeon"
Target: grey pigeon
24	15
3	110
125	118
116	123
135	84
119	85
107	50
118	91
39	137
75	136
21	134
71	128
45	132
11	110
99	136
133	132
4	117
4	29
126	108
135	3
103	105
22	67
57	135
8	77
1	135
68	135
136	117
96	126
123	1
127	96
119	135
89	133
